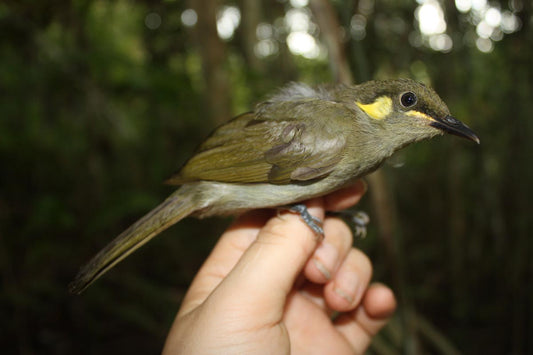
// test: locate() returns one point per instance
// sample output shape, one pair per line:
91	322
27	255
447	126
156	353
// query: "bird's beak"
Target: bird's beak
452	125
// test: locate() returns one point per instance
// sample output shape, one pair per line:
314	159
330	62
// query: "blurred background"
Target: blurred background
100	101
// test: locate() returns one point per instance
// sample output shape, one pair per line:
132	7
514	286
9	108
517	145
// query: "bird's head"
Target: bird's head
407	111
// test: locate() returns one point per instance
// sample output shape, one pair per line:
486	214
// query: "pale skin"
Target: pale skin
270	286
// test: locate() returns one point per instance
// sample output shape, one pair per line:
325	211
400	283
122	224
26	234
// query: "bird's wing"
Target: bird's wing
278	144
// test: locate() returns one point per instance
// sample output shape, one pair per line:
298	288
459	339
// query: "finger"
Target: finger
234	242
267	271
345	291
360	326
226	253
346	197
330	253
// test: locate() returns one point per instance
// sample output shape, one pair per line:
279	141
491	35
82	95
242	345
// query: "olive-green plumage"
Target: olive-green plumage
301	143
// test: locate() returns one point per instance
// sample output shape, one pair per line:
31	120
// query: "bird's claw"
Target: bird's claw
359	219
312	222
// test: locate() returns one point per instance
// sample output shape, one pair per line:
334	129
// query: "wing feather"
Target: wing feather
278	143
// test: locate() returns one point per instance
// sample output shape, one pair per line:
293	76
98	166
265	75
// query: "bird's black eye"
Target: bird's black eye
408	99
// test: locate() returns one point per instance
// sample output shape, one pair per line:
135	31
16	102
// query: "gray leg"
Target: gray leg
314	223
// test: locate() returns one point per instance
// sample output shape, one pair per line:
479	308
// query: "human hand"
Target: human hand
270	287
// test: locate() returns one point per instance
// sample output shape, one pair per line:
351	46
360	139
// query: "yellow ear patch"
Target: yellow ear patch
379	109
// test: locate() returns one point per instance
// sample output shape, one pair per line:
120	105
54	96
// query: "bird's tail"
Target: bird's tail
176	207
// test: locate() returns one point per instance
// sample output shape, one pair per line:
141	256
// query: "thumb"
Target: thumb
267	271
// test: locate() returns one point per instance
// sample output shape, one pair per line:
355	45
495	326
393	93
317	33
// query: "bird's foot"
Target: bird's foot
358	219
312	222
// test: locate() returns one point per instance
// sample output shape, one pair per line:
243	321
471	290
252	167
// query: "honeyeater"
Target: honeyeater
302	142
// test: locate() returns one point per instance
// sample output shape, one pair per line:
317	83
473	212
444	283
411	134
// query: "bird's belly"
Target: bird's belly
226	198
219	198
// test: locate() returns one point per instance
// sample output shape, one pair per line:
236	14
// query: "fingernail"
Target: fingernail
325	259
322	269
347	286
344	295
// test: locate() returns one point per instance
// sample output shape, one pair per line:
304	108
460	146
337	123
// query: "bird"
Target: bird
299	143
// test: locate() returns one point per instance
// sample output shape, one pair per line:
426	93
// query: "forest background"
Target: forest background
101	101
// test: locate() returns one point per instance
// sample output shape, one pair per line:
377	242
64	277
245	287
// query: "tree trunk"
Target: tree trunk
212	52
